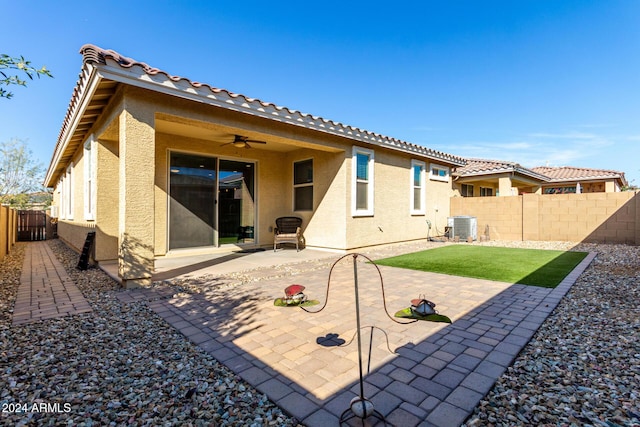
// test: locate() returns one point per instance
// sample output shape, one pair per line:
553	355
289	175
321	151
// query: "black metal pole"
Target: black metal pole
355	279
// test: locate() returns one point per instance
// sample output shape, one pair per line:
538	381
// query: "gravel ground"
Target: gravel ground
582	367
120	365
123	365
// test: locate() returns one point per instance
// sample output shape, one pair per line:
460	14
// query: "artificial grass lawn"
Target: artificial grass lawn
525	266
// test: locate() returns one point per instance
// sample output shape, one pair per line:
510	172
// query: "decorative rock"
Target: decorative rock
582	367
360	410
119	365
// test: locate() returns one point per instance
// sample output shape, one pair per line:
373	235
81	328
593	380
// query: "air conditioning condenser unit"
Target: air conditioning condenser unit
463	227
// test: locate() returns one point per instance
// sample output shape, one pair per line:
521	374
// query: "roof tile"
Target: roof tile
97	55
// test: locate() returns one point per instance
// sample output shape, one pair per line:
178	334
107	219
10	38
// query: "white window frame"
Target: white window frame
306	184
69	202
89	159
422	184
354	181
436	176
62	198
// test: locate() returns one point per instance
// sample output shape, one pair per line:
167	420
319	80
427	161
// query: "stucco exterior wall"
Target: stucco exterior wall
107	200
392	220
74	233
324	227
140	128
271	180
73	227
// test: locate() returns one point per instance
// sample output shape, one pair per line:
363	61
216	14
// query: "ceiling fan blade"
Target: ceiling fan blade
253	141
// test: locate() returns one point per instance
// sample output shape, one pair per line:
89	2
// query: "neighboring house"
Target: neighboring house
567	179
480	177
158	165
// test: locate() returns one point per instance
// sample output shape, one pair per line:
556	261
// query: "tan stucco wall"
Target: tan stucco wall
325	226
107	200
392	220
274	189
271	180
592	217
136	196
74	230
74	233
132	182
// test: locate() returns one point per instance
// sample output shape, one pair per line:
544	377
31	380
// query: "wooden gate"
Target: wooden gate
32	226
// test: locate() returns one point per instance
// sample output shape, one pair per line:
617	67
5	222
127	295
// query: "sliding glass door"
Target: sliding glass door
211	201
192	192
236	202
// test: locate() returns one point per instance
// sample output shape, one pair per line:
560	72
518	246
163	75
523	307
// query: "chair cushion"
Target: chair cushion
287	236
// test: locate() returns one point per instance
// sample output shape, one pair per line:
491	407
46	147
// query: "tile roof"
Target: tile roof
479	167
476	167
570	173
116	67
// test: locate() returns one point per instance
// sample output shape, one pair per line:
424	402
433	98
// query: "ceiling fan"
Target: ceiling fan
240	141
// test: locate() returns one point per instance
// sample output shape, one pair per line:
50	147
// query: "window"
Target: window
439	173
68	192
418	170
362	182
89	160
466	190
303	185
486	191
62	199
560	190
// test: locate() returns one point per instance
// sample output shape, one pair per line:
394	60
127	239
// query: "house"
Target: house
158	165
567	179
480	177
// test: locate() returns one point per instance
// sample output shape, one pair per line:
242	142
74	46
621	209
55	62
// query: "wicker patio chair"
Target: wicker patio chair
288	230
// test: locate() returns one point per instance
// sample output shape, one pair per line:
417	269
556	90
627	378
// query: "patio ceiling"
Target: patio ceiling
219	134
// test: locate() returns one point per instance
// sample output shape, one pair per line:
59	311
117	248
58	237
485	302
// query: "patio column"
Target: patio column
136	193
107	200
504	186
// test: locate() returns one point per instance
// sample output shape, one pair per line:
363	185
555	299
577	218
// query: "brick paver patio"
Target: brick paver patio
45	291
436	375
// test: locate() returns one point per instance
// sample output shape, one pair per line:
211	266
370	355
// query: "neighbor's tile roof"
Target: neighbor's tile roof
479	167
570	173
476	167
114	67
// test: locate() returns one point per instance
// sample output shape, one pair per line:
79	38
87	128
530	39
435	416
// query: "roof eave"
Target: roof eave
521	171
86	87
182	88
126	70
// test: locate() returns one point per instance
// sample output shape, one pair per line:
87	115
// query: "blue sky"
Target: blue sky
535	82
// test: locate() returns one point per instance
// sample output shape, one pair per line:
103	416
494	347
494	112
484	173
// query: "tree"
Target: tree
20	175
23	66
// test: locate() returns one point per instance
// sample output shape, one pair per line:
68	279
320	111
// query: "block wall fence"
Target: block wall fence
590	218
8	226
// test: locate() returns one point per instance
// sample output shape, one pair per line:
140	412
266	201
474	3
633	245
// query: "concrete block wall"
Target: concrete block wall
591	217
